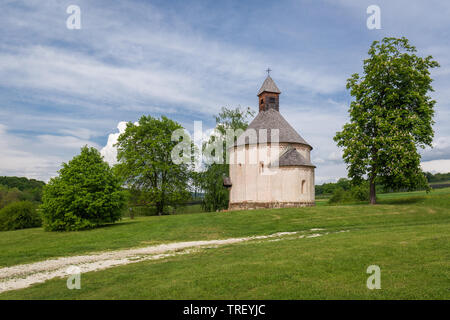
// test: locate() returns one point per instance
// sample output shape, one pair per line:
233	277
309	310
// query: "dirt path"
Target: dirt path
24	275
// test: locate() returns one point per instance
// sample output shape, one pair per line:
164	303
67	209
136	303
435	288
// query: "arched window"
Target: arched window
303	186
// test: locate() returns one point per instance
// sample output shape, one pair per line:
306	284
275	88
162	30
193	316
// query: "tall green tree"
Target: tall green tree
235	119
86	194
146	165
390	117
216	196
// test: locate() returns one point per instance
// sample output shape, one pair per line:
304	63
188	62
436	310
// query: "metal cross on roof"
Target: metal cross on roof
268	71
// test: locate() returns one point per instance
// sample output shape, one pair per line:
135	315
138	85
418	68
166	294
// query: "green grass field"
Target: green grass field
440	182
406	234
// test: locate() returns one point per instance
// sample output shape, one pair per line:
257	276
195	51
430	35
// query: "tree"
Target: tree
8	196
146	165
19	215
390	117
86	194
235	119
21	183
216	196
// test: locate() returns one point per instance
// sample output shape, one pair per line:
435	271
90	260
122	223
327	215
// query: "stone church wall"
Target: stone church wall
256	185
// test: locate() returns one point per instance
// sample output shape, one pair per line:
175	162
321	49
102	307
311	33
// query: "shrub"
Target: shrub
86	194
8	196
360	192
19	215
355	194
340	196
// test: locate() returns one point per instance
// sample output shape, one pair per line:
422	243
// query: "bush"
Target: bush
19	215
360	193
85	195
341	196
355	194
14	189
8	196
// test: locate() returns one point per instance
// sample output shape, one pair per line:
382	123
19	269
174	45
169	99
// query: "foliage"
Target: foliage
19	215
438	177
86	194
353	194
340	196
360	192
391	116
216	196
21	183
346	184
196	186
13	189
329	188
8	196
235	119
146	165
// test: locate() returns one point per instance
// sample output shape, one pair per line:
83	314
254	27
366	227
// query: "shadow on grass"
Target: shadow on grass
394	201
114	224
345	203
408	200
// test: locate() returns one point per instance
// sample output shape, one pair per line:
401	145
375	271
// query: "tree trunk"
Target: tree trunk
159	208
373	193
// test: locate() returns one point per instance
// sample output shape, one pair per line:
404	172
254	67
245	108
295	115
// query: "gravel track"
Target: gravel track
24	275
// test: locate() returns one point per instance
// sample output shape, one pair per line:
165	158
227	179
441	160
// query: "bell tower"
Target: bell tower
269	95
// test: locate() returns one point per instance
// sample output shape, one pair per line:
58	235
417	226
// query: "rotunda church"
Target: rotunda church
270	164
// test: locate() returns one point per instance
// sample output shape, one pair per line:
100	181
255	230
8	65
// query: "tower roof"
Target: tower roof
271	120
269	86
291	157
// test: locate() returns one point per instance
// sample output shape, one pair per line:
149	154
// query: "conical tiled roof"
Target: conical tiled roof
269	86
270	120
291	157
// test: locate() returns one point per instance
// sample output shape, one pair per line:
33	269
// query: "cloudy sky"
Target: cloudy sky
61	89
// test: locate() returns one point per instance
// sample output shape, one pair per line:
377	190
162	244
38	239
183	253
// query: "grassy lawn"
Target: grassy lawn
407	235
440	182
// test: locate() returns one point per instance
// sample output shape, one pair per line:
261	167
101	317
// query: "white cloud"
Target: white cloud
15	160
90	80
82	133
135	58
148	109
121	63
442	143
440	149
38	157
436	166
335	156
81	76
109	152
67	142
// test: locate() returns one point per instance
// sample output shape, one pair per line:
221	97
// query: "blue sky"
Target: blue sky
61	89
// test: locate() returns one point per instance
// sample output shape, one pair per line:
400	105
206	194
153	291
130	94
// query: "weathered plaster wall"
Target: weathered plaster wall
256	185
